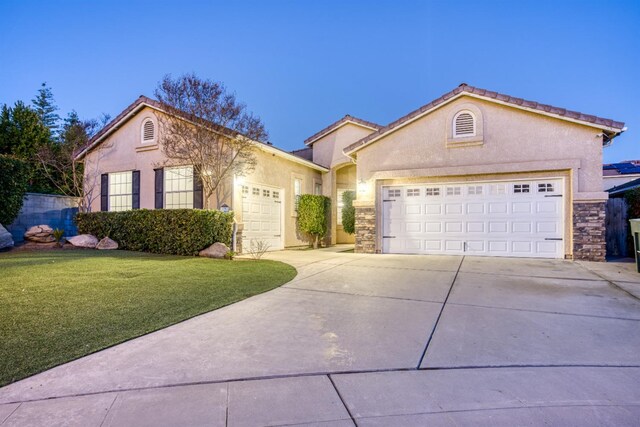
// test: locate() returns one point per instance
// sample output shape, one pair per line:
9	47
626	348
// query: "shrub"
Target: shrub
14	179
161	231
348	212
313	216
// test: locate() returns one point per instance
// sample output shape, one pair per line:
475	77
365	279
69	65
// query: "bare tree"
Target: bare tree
69	175
207	127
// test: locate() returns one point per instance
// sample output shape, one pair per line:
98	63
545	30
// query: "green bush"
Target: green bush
14	179
348	212
313	216
161	231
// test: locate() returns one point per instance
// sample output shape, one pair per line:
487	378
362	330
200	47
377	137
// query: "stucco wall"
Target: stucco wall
123	151
327	151
513	141
279	172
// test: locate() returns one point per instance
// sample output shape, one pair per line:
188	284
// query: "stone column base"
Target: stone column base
365	230
589	241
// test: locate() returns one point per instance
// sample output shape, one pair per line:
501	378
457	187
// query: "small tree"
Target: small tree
348	212
45	106
207	127
13	184
312	216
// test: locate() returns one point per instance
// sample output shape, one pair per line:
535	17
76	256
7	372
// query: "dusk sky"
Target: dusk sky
301	65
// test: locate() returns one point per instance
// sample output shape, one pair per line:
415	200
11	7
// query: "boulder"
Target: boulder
217	250
40	234
6	240
107	244
83	241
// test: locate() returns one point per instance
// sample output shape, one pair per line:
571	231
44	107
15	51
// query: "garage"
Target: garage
523	218
262	215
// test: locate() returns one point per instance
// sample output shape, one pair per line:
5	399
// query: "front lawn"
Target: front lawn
56	306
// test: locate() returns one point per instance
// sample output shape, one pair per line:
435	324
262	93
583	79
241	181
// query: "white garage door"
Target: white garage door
518	218
262	215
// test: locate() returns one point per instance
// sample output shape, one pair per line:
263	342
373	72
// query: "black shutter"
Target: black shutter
159	188
104	192
135	181
197	190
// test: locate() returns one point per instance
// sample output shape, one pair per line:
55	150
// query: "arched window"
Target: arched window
464	124
148	131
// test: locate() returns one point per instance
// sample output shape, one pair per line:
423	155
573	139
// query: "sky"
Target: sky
301	65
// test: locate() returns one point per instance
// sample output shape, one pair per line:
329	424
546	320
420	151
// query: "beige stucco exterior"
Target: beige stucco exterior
328	152
514	144
123	150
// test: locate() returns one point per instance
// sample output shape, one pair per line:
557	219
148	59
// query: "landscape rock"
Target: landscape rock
6	240
107	244
83	241
40	234
217	250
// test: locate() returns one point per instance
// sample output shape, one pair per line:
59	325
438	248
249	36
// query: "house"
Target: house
616	174
473	172
620	190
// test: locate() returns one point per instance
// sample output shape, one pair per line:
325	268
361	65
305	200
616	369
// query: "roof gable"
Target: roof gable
143	102
338	124
608	125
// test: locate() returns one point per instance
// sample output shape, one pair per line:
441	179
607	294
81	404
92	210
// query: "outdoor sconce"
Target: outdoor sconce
224	208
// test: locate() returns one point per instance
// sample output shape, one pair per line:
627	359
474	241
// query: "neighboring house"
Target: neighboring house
620	190
473	172
616	174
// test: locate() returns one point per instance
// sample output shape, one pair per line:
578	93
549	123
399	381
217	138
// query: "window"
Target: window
432	191
178	188
317	190
255	191
120	191
266	193
464	124
545	188
521	188
393	193
499	189
413	192
148	131
276	194
297	192
245	189
454	191
474	190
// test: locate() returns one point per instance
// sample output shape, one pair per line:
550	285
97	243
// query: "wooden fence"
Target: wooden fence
617	227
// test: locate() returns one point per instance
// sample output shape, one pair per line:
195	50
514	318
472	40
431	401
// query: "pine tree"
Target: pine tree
45	106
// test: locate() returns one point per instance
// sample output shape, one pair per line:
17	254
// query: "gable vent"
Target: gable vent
148	131
464	125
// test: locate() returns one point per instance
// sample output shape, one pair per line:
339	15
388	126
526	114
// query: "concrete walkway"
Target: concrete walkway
373	340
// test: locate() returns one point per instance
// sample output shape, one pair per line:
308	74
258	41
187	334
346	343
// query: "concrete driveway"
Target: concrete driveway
373	340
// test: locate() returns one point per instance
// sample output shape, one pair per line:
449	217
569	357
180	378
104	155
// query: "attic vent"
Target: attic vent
464	124
148	131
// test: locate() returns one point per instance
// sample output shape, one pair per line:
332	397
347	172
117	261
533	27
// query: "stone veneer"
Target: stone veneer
365	230
589	242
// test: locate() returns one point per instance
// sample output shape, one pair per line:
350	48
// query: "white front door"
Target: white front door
509	218
262	216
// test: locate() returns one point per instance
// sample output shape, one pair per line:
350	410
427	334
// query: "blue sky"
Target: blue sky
301	65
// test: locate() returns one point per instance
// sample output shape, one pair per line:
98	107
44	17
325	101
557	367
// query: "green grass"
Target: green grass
56	306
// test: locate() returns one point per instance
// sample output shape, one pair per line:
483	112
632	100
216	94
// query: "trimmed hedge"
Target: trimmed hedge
161	231
313	218
14	179
348	212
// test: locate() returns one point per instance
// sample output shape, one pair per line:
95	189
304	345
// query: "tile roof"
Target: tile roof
337	124
519	102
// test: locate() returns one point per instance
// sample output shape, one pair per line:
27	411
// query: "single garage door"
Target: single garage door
262	215
515	218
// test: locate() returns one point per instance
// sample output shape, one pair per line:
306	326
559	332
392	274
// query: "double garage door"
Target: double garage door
515	218
262	216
